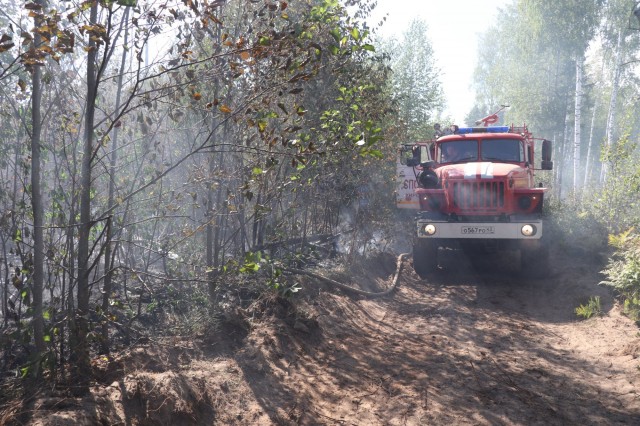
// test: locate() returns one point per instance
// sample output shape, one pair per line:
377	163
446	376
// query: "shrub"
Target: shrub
623	270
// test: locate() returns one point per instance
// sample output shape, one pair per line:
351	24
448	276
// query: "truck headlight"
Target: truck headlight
429	229
528	230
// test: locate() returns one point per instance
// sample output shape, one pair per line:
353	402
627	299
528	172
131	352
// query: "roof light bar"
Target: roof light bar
490	129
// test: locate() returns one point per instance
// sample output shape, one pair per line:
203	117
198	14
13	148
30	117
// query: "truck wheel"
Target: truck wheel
535	263
425	257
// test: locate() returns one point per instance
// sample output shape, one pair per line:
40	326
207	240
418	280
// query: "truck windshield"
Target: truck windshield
502	150
458	151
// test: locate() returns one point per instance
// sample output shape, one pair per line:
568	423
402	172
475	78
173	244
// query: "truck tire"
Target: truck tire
425	257
535	263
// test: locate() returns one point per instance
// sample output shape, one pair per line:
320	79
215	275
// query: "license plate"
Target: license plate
478	230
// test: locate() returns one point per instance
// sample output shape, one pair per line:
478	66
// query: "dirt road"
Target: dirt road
472	345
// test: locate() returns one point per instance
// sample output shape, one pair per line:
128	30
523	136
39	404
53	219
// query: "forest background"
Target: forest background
159	157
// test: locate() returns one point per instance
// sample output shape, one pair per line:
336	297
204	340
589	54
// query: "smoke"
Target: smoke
359	234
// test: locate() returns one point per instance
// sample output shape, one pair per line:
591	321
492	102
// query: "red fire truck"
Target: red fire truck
475	189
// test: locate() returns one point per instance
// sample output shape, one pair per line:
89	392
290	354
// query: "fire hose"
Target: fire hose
348	288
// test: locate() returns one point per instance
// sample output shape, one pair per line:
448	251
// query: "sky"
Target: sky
453	28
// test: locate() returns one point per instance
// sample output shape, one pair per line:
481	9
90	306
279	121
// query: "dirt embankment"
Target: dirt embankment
474	344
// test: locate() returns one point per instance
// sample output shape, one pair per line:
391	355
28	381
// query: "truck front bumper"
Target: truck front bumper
521	229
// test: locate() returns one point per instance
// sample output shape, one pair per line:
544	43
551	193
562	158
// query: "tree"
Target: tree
415	80
268	111
577	125
36	194
528	61
611	117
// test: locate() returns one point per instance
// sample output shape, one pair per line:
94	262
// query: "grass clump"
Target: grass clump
591	308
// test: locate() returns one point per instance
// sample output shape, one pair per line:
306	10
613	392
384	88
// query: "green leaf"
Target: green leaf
355	33
369	47
250	267
335	33
375	153
251	263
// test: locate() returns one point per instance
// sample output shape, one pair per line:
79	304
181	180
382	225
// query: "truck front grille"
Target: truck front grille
478	195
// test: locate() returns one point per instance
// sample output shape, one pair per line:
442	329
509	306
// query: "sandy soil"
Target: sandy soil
474	344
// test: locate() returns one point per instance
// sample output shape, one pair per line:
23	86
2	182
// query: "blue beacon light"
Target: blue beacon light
490	129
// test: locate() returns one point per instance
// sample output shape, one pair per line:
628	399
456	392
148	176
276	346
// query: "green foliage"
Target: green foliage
631	308
618	203
131	3
345	127
252	262
623	270
272	272
584	221
268	122
527	60
591	308
282	287
570	22
415	81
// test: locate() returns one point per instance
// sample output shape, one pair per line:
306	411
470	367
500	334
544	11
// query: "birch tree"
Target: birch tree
537	74
611	116
577	163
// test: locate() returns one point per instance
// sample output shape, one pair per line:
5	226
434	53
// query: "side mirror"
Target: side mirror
412	162
547	164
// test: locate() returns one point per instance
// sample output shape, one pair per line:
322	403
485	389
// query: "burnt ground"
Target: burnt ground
474	344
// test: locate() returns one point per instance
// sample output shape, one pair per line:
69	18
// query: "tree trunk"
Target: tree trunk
577	124
210	215
36	200
611	118
108	261
82	364
563	149
589	161
210	235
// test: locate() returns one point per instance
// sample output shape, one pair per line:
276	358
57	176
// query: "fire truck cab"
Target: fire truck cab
475	187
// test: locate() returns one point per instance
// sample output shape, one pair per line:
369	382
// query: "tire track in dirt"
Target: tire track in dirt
473	344
478	346
494	349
